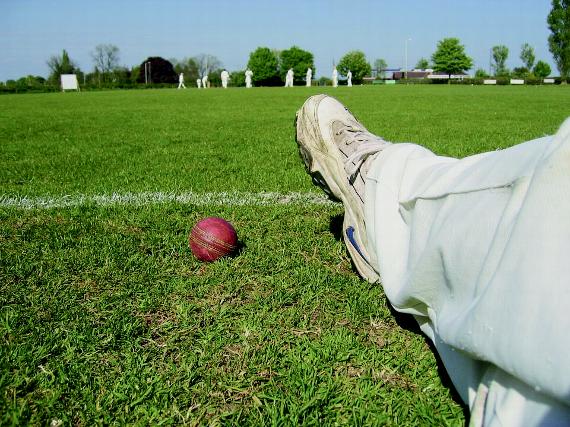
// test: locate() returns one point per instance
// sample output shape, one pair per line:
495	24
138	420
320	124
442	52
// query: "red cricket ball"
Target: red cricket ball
212	238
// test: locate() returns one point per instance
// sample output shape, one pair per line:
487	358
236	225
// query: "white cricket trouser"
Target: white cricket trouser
478	250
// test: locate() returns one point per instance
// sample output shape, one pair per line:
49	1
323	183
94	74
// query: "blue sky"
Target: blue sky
33	30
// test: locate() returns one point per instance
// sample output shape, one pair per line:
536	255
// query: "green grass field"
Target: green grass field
106	317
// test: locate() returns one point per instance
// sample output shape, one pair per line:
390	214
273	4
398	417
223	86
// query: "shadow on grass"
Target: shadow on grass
335	227
239	249
407	322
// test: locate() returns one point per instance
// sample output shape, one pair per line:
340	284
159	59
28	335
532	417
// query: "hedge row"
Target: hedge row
501	81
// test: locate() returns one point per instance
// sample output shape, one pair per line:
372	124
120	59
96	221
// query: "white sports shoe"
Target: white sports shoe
337	151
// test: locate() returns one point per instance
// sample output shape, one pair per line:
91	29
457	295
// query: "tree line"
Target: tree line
451	58
269	66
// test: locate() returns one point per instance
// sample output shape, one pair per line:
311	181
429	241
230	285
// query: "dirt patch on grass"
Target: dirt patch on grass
393	379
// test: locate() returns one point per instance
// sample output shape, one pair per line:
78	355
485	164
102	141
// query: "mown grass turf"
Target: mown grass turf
169	140
105	316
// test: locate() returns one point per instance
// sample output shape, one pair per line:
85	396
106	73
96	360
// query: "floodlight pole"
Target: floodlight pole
406	56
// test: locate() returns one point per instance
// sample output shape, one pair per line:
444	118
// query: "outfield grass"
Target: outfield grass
105	316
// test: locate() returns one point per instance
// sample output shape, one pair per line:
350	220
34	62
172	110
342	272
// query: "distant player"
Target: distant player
335	77
205	81
181	81
225	77
349	79
309	77
289	78
248	76
199	83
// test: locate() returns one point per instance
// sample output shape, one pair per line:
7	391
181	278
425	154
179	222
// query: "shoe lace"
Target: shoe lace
369	144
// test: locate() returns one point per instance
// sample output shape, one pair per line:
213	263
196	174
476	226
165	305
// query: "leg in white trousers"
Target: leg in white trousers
478	250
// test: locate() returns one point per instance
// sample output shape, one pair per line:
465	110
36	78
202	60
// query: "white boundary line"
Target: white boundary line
155	198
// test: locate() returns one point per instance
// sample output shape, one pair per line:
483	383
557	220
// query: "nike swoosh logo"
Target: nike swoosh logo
350	235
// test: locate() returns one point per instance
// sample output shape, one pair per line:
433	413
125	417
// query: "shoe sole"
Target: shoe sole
323	165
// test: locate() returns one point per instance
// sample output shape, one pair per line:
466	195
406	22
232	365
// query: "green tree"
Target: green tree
380	65
422	64
277	53
263	63
215	77
135	72
356	62
121	76
559	41
500	54
30	83
527	56
450	57
297	59
520	72
237	78
542	69
59	65
481	73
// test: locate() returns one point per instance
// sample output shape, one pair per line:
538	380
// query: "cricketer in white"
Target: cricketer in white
225	76
477	249
248	75
335	77
289	78
309	77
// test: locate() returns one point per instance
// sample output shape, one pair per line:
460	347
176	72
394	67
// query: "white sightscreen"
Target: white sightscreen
69	82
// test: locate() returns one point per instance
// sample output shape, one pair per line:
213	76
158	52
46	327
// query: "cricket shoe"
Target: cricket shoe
337	151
